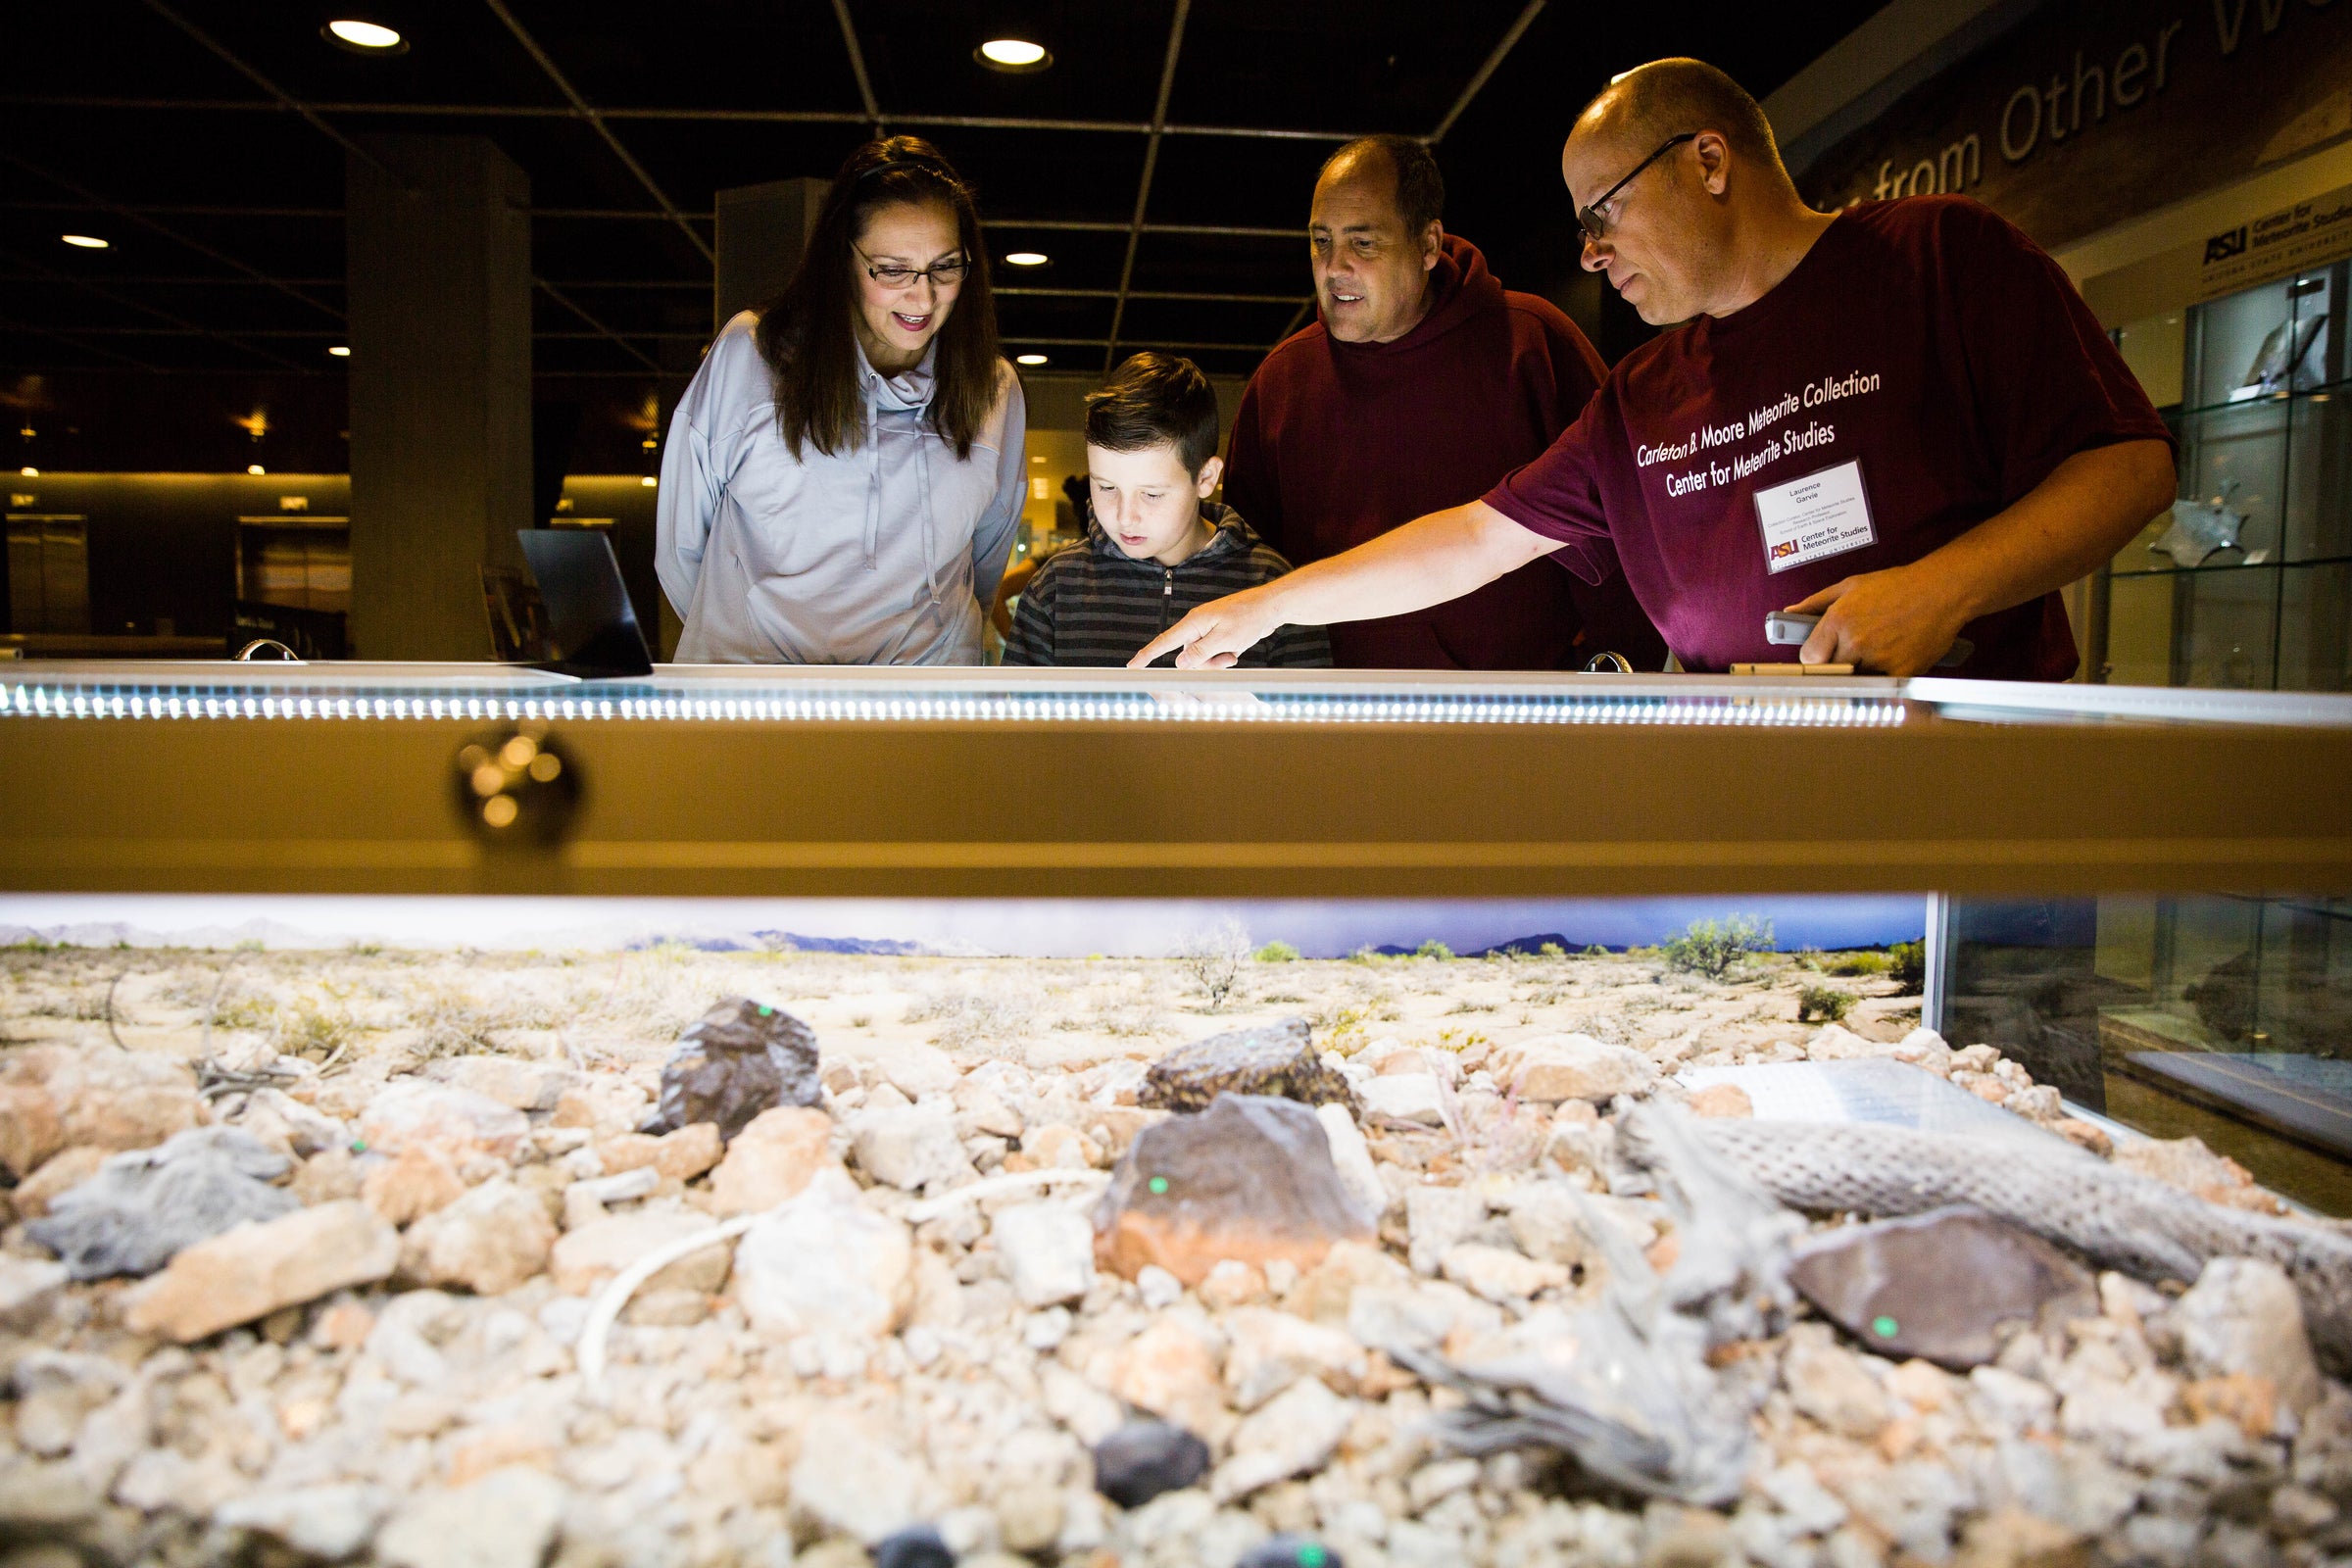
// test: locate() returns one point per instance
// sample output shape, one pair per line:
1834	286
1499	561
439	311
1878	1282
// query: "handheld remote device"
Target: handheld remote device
1786	629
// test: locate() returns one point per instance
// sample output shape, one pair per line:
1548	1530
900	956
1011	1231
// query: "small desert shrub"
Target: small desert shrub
451	1020
1277	953
1710	947
969	1016
1907	961
1433	949
1812	959
1826	1002
1859	963
1213	961
313	1028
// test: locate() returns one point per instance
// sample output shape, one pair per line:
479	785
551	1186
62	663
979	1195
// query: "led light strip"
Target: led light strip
169	703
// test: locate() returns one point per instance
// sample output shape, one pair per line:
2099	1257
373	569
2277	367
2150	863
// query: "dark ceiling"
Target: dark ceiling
204	139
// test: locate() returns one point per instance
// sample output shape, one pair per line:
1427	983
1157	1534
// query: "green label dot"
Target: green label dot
1158	1184
1312	1557
358	1146
767	1012
1886	1328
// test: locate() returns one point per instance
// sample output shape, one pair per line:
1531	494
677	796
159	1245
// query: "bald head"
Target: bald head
1679	189
1669	97
1374	233
1403	166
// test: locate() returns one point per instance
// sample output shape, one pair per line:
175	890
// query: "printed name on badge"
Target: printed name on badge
1823	513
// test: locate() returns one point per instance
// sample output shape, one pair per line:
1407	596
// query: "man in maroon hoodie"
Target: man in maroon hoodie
1422	385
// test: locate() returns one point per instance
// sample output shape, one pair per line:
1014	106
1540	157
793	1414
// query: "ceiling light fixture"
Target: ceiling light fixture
1026	259
30	473
256	469
649	481
1029	359
341	350
364	37
1012	54
86	242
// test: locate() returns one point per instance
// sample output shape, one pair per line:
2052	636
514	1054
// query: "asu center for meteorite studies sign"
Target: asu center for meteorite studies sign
2090	112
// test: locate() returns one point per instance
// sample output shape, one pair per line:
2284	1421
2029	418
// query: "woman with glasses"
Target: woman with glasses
843	478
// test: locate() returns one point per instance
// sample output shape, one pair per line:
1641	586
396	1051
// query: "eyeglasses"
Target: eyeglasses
1588	217
890	274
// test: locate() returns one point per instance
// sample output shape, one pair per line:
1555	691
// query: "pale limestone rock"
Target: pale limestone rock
1829	1383
1269	1351
1231	1284
910	1148
1555	1067
330	1521
489	1240
508	1519
586	1257
824	1262
1438	1219
687	1153
845	1481
525	1086
1291	1435
2243	1317
458	1122
28	1287
1352	1158
253	1270
1497	1273
774	1158
1047	1250
1413	1099
1170	1369
419	1179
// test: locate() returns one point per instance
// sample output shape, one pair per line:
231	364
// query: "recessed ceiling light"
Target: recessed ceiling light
256	469
1029	359
87	242
30	473
1012	54
364	37
649	481
341	350
1026	259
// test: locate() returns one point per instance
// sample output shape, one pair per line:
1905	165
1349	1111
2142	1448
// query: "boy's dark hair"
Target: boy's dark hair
1420	187
1154	398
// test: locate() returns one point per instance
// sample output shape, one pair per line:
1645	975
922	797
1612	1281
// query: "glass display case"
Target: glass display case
2091	862
2248	582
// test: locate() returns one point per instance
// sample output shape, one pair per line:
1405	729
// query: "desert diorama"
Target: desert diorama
674	1257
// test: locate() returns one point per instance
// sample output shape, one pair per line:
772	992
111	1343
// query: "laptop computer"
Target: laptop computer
592	627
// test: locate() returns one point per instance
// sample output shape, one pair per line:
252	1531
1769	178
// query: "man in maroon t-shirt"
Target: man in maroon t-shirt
1900	417
1423	383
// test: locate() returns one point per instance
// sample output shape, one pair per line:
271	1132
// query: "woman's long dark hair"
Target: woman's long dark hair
806	334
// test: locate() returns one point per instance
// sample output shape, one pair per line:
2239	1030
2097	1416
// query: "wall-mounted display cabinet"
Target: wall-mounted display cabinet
2248	581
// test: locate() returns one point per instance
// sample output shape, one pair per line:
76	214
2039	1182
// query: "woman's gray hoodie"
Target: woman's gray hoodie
888	554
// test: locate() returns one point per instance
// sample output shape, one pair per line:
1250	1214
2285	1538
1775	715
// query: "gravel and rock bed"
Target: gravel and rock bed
313	1260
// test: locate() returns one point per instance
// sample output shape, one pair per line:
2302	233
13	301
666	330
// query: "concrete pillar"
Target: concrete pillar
763	231
439	300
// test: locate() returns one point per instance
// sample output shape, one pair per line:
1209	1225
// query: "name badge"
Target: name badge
1823	514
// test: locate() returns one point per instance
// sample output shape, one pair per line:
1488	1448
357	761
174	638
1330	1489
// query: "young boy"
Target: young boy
1155	544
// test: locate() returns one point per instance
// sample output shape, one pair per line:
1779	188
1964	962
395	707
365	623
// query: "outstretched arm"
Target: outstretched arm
1427	562
1901	620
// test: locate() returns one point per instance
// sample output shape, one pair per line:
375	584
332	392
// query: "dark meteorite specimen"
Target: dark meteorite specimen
1144	1458
1277	1059
1250	1178
738	1059
1938	1284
